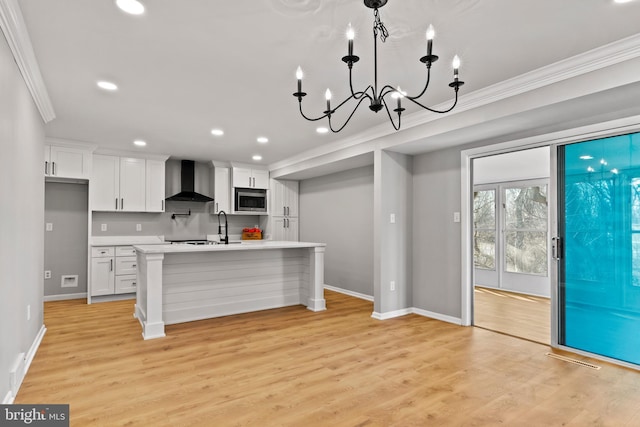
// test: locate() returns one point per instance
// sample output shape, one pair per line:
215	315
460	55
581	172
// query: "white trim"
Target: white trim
350	293
25	364
601	57
584	133
437	316
15	31
70	143
64	297
391	314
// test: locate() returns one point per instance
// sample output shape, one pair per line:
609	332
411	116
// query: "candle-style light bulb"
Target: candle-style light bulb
299	77
327	96
456	66
399	96
431	33
350	36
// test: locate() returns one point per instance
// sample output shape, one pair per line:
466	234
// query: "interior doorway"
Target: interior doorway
511	244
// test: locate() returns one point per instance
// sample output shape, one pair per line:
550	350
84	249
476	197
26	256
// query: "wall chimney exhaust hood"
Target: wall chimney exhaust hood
187	185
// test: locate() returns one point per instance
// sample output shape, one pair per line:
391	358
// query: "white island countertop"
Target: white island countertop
182	282
247	245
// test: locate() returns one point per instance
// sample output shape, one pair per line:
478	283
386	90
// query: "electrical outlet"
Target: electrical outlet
47	274
49	226
138	227
392	285
103	227
392	218
28	312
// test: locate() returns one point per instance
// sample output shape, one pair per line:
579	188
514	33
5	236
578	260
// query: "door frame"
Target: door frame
584	133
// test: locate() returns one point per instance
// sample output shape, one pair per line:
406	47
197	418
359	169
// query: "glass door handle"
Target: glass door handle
556	248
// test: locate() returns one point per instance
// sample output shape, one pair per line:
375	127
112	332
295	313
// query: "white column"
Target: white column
316	300
151	297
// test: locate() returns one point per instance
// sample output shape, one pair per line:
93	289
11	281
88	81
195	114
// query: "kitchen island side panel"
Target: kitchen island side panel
213	284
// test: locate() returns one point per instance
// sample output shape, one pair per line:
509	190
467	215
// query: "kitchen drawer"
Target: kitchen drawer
125	251
126	284
102	251
125	265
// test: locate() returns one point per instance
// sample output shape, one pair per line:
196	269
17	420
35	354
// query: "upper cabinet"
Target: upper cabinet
250	178
155	176
66	160
221	188
127	184
284	198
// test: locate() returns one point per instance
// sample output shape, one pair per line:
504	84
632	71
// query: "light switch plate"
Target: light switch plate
392	218
49	226
138	227
103	227
456	217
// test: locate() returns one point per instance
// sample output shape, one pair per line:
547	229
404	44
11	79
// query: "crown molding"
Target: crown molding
15	31
601	57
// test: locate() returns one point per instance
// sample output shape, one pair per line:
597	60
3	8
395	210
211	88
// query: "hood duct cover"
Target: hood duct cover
187	185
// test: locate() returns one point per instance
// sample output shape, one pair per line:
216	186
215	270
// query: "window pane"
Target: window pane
484	209
526	208
484	249
526	252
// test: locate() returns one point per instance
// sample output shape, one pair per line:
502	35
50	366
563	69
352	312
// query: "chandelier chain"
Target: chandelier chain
379	26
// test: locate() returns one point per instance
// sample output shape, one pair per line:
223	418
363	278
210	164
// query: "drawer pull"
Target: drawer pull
133	266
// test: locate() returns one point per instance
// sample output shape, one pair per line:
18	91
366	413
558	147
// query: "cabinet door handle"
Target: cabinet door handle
110	265
46	168
249	181
133	283
133	266
53	169
216	207
116	203
162	205
121	204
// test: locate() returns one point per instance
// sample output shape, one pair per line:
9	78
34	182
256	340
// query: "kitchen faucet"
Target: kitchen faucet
224	239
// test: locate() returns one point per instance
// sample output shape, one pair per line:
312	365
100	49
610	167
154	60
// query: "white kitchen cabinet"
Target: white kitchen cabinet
155	178
284	198
67	162
284	207
102	271
250	178
222	190
113	270
119	184
284	228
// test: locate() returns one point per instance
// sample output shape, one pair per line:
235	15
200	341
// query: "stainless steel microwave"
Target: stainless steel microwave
250	200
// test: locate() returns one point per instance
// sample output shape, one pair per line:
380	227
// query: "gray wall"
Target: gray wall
392	254
197	225
436	243
65	247
337	209
21	217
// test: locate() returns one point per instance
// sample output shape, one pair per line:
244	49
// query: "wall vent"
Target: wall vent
69	281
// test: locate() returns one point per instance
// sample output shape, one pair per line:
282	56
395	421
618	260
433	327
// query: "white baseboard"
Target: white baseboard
391	314
64	297
437	316
350	293
21	367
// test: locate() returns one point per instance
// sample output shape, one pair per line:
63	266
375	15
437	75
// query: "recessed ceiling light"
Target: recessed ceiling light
132	7
262	139
622	1
586	157
139	143
217	132
322	130
107	85
615	171
257	157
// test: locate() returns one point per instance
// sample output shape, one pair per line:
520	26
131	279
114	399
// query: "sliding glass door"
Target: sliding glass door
598	249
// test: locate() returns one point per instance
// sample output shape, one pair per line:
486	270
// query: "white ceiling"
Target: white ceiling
185	67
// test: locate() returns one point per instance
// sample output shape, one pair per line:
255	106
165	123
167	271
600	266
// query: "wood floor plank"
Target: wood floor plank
294	367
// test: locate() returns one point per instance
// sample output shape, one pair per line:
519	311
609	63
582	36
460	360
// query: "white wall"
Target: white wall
519	165
337	209
21	218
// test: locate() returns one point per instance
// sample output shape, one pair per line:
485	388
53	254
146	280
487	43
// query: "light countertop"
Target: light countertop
245	245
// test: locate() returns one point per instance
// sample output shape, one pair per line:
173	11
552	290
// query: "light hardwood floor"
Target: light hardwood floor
294	367
511	313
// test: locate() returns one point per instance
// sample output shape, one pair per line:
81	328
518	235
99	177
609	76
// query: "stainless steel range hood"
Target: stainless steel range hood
187	185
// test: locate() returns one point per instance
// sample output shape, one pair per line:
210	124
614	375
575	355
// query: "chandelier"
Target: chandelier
377	98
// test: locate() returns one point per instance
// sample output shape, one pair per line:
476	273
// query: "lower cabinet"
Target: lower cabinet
113	270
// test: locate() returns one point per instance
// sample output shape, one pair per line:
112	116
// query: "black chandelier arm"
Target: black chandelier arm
348	118
386	107
455	102
358	95
426	85
311	119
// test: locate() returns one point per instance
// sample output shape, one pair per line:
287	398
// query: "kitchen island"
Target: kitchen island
182	283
